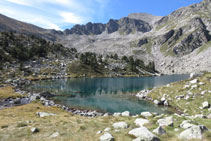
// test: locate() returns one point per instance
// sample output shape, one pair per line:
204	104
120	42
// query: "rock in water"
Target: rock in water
143	134
107	137
122	125
194	132
141	121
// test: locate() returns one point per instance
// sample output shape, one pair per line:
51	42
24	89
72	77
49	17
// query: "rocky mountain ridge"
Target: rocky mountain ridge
175	42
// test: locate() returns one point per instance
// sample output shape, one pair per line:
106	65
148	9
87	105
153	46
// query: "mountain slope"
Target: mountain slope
175	42
9	24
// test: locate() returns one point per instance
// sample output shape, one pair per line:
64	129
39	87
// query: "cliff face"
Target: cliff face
177	43
124	26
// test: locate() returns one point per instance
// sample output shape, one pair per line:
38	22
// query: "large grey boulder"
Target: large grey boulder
106	137
194	132
186	124
160	130
126	113
143	134
122	125
141	121
146	114
167	121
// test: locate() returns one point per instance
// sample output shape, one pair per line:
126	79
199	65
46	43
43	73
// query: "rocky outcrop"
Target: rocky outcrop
124	26
88	29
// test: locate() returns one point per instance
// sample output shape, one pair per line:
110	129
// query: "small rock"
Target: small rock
107	129
122	125
146	114
205	105
99	132
126	113
194	81
176	129
54	135
106	114
143	134
141	121
107	137
156	102
167	121
166	103
34	130
159	130
199	116
44	114
203	92
116	114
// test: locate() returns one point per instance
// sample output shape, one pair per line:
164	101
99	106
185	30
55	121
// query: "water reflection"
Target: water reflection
105	93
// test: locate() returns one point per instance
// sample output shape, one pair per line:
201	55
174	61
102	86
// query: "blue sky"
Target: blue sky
61	14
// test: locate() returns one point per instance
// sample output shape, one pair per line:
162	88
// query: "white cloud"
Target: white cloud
21	2
71	18
53	13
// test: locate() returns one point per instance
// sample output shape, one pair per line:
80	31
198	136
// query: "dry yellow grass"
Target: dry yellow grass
8	92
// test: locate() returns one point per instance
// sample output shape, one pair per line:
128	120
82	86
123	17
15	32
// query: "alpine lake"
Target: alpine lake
105	94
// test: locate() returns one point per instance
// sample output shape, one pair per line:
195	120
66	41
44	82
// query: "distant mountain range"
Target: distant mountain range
177	43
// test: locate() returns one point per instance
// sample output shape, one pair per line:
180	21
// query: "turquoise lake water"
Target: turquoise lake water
105	94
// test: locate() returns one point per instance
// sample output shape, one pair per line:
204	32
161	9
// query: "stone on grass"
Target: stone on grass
107	129
194	132
126	113
194	81
54	135
141	121
146	114
186	124
205	105
167	121
116	114
122	125
34	130
160	130
106	137
143	134
44	114
99	132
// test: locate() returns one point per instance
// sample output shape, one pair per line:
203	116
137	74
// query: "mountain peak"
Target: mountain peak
151	19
